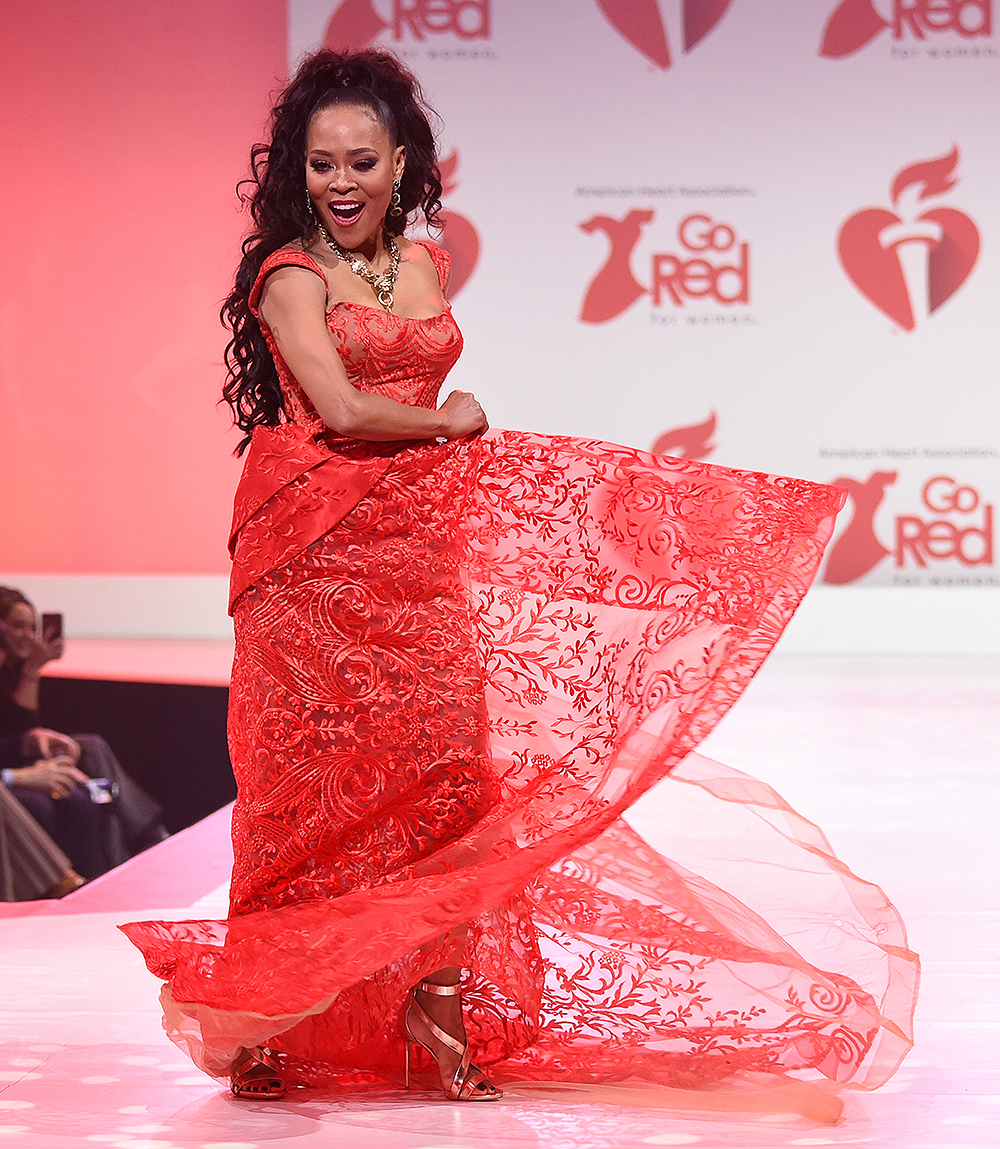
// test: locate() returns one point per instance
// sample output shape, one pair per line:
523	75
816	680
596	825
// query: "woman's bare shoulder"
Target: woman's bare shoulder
422	258
292	289
413	249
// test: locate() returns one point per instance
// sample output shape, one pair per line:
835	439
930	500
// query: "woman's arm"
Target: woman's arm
293	305
43	650
25	694
56	775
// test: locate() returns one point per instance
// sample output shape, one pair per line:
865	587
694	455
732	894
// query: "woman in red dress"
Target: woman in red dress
460	656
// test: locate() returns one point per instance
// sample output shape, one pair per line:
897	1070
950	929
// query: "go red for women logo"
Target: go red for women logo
709	262
641	23
357	23
953	522
908	262
961	527
855	23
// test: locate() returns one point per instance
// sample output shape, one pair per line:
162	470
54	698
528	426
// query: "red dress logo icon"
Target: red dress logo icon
855	23
909	264
954	524
614	288
712	263
640	22
353	25
858	549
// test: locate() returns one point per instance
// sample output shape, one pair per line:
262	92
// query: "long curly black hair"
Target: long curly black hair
276	196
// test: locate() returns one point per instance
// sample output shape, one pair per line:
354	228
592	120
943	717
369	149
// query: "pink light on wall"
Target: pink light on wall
126	128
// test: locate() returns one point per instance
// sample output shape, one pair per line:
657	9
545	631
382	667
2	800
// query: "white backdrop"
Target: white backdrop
716	189
759	233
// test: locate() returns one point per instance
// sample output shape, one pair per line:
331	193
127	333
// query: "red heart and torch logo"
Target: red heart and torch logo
908	262
640	22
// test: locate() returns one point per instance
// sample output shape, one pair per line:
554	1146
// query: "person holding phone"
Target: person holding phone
55	774
31	864
30	651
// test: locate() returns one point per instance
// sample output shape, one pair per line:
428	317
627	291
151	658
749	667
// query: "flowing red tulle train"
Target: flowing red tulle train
621	602
457	665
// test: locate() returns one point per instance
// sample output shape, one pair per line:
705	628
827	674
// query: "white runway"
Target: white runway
898	759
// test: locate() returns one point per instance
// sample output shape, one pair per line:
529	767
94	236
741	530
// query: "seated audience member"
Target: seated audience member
31	864
52	774
39	771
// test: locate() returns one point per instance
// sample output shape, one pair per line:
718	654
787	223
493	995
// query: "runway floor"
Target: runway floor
896	758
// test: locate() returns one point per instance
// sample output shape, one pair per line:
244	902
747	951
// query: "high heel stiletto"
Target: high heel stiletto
469	1082
256	1075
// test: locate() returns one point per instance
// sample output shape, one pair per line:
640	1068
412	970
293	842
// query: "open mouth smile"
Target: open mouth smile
346	213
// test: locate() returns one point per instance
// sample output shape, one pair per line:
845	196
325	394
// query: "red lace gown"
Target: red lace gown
457	664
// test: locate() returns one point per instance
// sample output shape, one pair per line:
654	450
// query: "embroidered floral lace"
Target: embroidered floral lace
457	665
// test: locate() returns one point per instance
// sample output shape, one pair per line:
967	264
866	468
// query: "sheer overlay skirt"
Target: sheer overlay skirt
441	708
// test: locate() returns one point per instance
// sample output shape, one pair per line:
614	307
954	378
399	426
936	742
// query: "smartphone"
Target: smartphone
101	790
52	627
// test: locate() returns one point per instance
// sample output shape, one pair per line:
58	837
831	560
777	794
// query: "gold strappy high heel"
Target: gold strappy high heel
469	1082
256	1075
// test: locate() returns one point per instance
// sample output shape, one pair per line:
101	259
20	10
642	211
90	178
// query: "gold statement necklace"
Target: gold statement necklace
382	284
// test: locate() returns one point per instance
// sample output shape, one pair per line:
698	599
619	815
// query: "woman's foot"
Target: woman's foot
256	1075
433	1020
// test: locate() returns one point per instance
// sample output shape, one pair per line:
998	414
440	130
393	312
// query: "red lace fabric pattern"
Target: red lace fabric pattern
457	665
